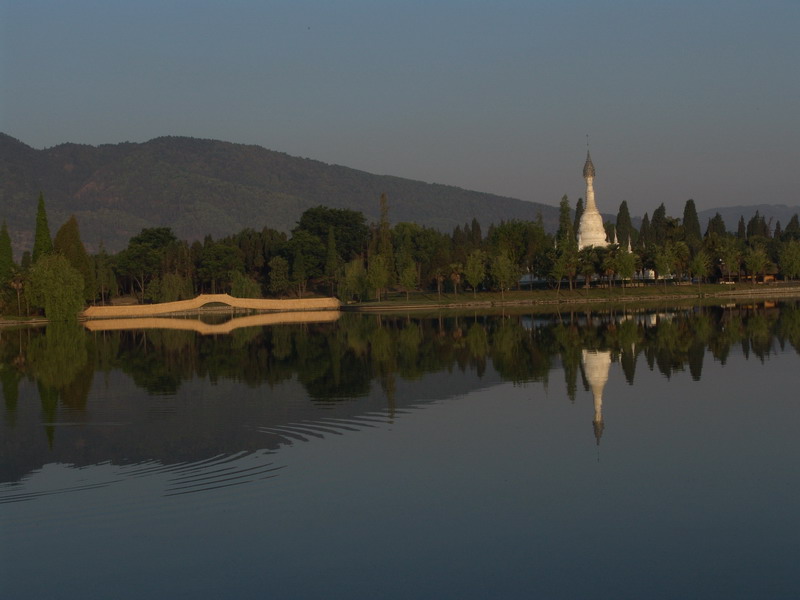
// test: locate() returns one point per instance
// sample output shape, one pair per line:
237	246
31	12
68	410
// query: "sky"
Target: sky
679	100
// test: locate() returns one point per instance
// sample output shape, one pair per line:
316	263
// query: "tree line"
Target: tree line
334	251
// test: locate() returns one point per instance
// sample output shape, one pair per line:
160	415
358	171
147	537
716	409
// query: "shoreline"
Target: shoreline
566	298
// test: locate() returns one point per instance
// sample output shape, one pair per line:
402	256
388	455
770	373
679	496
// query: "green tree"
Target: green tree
409	278
68	243
645	235
42	242
504	272
587	264
756	262
56	287
691	226
243	286
377	275
354	282
579	208
6	256
789	259
217	262
173	287
278	275
333	262
625	265
664	262
741	229
625	229
142	259
700	265
349	229
716	225
104	278
475	270
566	230
730	255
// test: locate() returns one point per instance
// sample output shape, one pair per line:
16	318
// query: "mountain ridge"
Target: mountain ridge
210	187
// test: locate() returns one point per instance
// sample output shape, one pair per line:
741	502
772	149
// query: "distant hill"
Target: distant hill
201	187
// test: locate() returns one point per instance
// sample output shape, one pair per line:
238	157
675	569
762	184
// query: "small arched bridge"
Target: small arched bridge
166	308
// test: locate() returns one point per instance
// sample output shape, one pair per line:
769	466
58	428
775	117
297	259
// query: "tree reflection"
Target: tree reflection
336	361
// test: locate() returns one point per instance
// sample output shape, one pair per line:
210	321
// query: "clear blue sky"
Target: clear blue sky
695	99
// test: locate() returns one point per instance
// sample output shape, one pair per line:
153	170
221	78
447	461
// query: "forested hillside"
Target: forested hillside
201	187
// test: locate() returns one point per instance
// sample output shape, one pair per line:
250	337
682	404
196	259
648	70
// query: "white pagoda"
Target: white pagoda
591	231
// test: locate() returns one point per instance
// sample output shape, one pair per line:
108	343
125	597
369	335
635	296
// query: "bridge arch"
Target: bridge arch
164	308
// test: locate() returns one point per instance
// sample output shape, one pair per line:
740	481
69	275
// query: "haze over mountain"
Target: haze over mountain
200	187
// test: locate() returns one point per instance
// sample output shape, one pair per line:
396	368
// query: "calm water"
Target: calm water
625	455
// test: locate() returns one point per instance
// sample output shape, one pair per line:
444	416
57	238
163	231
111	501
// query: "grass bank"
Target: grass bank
648	294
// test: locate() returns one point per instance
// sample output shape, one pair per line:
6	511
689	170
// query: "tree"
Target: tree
56	287
625	265
278	275
789	259
691	225
664	262
475	270
624	226
42	242
700	265
309	249
243	286
566	230
659	226
105	281
6	256
349	229
333	262
377	275
716	225
354	282
587	264
455	275
756	262
408	277
792	231
741	229
142	259
576	227
730	256
68	243
504	272
217	262
645	237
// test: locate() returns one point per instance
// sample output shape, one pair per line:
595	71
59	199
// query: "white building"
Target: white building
591	231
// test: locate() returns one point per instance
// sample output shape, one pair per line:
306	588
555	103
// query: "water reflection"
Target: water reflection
178	397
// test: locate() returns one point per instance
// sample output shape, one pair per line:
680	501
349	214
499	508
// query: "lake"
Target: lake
628	454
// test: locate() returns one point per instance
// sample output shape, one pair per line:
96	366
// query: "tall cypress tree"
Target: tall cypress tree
645	238
741	229
68	243
691	225
716	225
578	214
6	256
566	233
658	226
42	242
624	225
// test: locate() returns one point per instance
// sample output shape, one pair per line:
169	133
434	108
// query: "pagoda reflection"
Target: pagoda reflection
596	364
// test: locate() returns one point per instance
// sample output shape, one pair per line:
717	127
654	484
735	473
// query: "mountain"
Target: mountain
199	187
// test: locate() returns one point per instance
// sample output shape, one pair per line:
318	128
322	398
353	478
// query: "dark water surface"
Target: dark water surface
609	455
